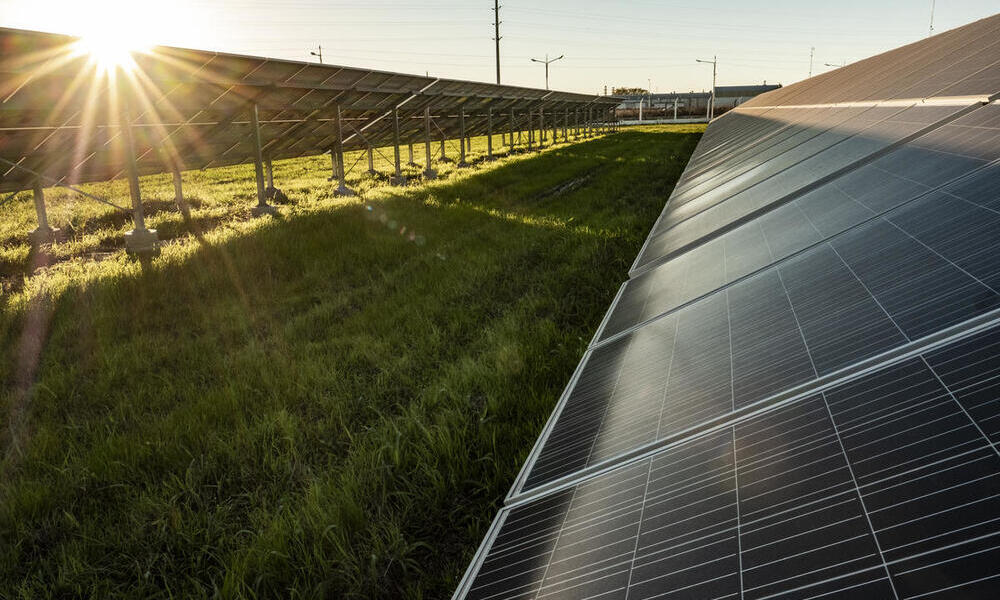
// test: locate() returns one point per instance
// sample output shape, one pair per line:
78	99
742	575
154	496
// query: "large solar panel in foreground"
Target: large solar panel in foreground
797	392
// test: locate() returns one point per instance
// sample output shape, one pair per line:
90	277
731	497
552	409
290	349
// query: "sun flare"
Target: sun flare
109	52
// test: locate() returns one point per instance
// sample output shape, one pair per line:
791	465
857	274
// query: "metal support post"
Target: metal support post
269	174
140	240
178	189
675	108
43	234
489	134
464	140
555	129
541	128
565	126
397	178
262	207
429	173
531	131
342	189
179	193
371	160
511	144
409	149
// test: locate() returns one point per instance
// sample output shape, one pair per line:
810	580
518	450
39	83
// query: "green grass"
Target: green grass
329	403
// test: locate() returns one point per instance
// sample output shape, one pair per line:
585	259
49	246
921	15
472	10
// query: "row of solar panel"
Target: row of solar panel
760	414
885	486
60	113
214	144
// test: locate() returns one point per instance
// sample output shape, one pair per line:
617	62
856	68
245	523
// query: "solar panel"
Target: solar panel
859	138
795	393
913	170
918	270
886	486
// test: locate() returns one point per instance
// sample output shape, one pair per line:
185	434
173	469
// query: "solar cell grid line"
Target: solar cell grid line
896	179
842	298
929	476
803	522
971	371
885	473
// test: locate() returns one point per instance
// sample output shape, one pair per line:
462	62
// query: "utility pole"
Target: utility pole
496	34
930	30
812	52
546	62
711	101
319	54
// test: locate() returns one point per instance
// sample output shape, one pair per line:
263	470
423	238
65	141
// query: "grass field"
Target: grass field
328	403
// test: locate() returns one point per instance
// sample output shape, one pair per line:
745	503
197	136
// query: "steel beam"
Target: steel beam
140	240
43	234
463	140
342	188
262	208
489	134
397	178
429	173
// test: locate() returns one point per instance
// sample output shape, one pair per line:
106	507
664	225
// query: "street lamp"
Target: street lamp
835	64
546	62
711	102
319	54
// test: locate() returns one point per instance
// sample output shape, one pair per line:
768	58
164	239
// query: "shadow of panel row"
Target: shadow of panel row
887	486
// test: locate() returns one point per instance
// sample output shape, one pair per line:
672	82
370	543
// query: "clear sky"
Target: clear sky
606	43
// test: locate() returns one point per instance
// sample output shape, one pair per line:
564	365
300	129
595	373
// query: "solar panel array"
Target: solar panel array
61	117
796	394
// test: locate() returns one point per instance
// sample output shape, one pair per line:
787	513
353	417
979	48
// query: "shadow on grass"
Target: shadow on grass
329	405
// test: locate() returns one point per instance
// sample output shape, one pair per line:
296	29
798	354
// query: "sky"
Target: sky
634	43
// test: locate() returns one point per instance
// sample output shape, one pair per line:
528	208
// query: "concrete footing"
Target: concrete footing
42	235
141	241
263	209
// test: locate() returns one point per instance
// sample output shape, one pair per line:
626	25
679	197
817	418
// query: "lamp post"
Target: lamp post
318	54
711	101
546	62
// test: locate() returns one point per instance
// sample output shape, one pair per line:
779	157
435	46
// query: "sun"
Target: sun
110	52
111	31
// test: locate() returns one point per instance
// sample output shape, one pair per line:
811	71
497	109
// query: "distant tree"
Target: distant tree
628	91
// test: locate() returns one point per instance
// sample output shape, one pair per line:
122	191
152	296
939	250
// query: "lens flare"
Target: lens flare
110	51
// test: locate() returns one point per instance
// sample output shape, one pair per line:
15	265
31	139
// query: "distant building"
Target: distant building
689	104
